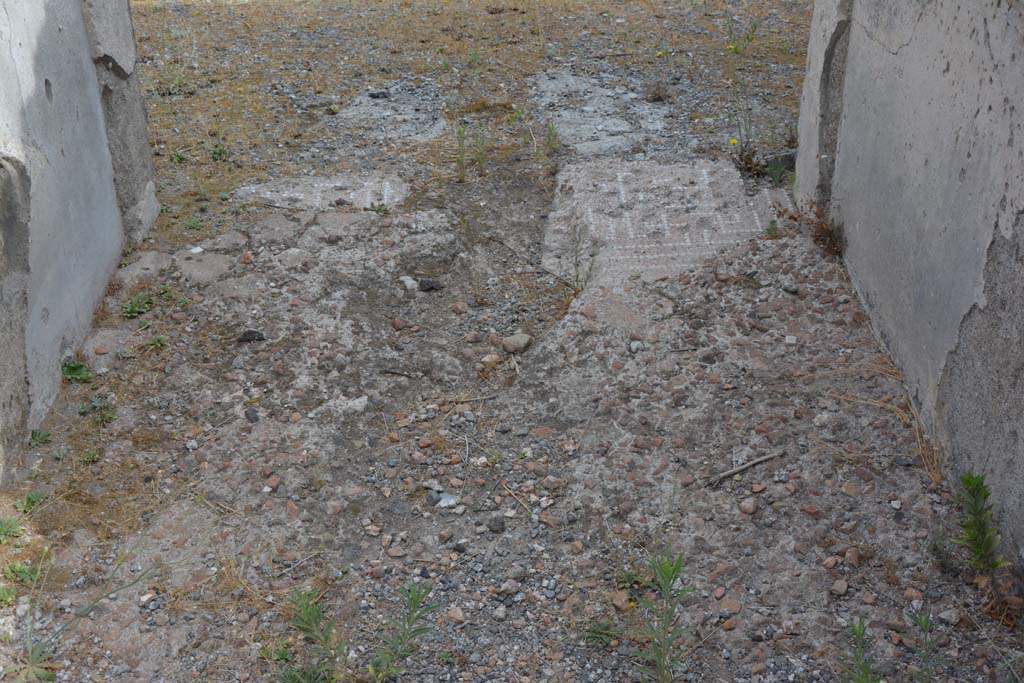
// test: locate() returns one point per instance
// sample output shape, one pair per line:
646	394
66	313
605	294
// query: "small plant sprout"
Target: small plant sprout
551	142
385	662
379	209
179	156
219	152
157	341
602	633
139	304
90	456
460	153
7	595
772	231
10	527
282	654
517	115
39	437
777	171
22	572
326	653
858	665
480	151
195	224
76	371
739	43
929	644
662	657
978	532
101	409
30	502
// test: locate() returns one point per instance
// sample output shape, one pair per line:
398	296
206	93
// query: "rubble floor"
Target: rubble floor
471	295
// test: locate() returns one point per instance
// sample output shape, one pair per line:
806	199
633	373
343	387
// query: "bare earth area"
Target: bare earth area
472	294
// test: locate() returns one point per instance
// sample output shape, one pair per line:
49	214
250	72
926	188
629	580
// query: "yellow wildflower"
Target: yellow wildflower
733	141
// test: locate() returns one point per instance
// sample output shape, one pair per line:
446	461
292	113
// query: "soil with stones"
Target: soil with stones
470	295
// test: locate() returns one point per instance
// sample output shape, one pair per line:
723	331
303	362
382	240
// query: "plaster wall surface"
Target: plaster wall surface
924	175
61	221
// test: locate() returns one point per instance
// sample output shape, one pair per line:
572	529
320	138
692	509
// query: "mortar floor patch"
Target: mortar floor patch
596	117
326	192
613	220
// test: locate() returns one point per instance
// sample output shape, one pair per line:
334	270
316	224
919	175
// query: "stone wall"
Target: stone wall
912	134
76	177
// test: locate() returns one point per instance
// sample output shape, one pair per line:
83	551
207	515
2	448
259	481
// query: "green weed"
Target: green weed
551	142
139	304
777	171
100	409
460	153
481	149
386	660
76	371
10	527
90	456
517	115
219	152
602	633
325	655
978	532
7	595
39	437
662	656
30	502
739	42
928	649
858	665
22	572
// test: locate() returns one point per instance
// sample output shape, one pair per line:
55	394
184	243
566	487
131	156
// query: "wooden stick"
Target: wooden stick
737	470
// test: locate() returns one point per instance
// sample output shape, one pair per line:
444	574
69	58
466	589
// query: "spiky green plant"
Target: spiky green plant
602	633
327	651
928	649
978	531
858	665
325	657
662	656
386	660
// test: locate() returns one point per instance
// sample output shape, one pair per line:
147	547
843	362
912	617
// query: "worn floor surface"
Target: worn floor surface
470	294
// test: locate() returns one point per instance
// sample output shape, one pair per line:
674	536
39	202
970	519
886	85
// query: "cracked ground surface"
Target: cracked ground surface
388	330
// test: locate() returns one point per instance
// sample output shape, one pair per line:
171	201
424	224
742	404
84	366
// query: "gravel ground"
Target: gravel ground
339	364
